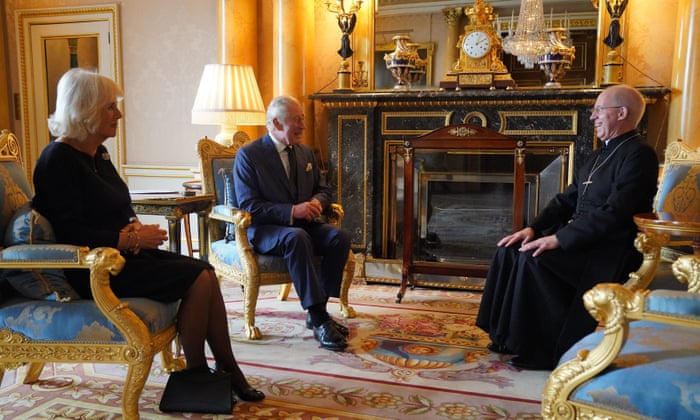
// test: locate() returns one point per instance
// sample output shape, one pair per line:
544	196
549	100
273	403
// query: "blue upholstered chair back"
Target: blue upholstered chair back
679	190
15	190
225	193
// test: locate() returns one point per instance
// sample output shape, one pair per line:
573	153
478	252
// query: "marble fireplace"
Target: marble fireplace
464	210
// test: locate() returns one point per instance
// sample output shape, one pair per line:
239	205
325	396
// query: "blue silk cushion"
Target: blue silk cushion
80	319
227	252
656	375
29	227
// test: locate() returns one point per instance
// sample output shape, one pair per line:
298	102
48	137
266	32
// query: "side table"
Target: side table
658	230
174	207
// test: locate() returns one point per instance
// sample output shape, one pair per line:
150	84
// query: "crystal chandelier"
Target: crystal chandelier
530	39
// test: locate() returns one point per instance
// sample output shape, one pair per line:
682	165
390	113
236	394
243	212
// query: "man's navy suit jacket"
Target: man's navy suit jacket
263	189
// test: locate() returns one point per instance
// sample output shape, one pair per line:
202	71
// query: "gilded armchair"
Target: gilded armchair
644	364
679	196
41	322
230	251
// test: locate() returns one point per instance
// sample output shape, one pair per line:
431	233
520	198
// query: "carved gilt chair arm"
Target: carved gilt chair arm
103	262
335	214
615	307
609	304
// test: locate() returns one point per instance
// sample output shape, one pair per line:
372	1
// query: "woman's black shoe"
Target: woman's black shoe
248	393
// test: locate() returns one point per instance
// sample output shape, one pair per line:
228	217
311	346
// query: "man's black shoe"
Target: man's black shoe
338	326
497	348
522	363
329	337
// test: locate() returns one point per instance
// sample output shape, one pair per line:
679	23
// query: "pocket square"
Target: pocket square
309	167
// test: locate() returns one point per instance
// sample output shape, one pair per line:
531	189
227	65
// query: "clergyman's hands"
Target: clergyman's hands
308	210
540	245
524	235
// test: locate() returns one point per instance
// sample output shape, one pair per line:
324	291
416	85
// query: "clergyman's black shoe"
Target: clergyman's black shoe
497	348
526	364
329	337
338	326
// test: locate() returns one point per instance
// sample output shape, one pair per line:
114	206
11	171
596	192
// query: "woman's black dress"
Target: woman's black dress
88	203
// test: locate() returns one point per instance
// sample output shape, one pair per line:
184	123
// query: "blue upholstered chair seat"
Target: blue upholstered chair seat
673	302
666	354
227	253
79	320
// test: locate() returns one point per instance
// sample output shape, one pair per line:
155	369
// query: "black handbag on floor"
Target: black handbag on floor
198	390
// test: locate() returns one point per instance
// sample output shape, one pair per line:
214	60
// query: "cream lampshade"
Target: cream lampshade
228	96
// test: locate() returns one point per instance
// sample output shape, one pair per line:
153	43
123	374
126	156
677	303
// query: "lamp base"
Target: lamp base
230	137
344	78
225	138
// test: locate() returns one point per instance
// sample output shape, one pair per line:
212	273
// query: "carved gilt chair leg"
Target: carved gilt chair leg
136	376
348	275
250	301
33	372
172	359
283	293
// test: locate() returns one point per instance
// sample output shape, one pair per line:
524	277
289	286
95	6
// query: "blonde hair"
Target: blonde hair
81	96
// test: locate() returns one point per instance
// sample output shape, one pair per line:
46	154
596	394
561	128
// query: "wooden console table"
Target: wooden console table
658	230
174	207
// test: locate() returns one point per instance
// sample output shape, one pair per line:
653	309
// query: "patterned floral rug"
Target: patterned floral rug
422	358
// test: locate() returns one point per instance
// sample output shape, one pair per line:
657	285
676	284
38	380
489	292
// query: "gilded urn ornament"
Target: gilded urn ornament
558	58
404	63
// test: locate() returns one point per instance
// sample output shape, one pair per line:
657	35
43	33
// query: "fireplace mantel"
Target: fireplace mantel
363	127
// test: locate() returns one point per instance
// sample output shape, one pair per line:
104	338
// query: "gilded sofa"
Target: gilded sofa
42	320
230	251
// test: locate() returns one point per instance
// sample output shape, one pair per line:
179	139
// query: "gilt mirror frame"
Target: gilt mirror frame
579	20
36	28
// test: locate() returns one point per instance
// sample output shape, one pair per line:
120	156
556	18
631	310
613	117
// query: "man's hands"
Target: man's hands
526	236
308	210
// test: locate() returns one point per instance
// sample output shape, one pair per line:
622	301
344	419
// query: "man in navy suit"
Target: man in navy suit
277	180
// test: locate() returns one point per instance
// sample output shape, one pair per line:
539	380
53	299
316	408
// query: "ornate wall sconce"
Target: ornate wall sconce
612	69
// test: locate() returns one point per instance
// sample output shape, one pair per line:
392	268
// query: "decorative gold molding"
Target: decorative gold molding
573	114
468	119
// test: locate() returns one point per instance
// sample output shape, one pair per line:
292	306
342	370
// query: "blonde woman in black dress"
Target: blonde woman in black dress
81	193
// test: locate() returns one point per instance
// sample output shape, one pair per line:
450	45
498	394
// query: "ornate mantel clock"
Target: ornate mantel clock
479	64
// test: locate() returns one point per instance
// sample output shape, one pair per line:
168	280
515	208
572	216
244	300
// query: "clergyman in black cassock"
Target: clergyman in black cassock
532	302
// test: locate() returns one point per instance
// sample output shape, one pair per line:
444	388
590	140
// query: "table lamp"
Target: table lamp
228	96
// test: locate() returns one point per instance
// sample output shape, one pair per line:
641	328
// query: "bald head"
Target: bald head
630	98
618	109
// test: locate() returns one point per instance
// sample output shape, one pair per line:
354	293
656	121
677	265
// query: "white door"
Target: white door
52	44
